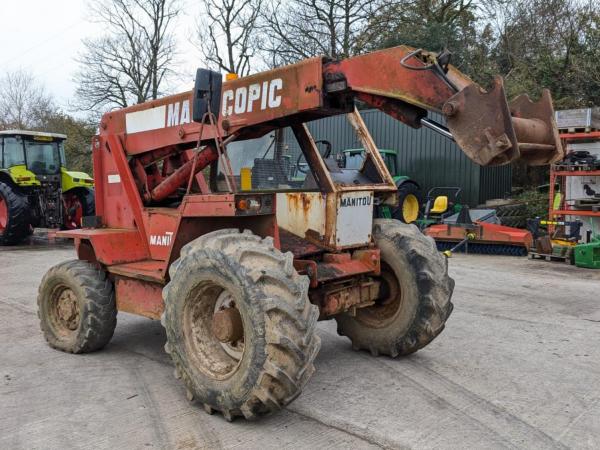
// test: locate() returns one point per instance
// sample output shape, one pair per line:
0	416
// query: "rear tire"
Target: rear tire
416	294
79	203
14	215
76	307
409	203
267	367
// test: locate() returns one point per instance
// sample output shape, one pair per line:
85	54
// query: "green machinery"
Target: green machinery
36	189
588	255
409	191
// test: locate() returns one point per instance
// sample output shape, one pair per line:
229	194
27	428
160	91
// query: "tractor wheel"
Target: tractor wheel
14	215
415	297
76	307
79	203
514	221
409	204
240	328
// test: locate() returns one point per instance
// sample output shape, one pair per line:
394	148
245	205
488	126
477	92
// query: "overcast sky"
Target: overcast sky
44	37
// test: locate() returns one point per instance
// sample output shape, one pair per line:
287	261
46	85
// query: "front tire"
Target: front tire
76	307
267	357
14	215
415	297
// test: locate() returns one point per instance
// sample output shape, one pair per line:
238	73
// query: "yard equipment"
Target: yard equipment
588	255
479	237
240	307
409	192
36	189
559	245
439	207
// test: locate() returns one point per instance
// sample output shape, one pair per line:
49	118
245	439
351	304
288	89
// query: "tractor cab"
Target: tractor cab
36	189
353	158
30	155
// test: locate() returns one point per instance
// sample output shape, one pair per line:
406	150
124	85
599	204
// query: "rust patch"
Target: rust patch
139	297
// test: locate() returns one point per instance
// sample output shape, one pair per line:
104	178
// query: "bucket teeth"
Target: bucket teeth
484	249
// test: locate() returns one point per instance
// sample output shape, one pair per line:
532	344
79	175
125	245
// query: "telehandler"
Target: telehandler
198	228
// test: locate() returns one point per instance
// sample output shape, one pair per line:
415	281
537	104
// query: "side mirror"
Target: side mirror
207	94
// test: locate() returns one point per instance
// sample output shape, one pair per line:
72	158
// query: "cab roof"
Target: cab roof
33	133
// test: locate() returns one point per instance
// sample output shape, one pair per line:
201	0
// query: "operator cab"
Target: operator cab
276	162
40	153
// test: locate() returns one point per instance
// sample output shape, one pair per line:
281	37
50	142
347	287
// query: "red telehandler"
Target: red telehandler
202	221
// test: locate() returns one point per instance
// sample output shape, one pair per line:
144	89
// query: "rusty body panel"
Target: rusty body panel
505	132
139	297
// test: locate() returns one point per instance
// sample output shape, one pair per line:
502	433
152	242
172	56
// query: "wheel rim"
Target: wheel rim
3	214
217	359
73	211
389	303
410	208
64	311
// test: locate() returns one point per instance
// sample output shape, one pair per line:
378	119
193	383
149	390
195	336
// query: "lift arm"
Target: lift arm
405	83
401	81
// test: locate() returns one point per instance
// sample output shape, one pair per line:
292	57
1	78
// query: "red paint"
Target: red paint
139	297
3	214
73	211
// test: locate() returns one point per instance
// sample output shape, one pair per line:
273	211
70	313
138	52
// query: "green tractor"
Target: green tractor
409	191
36	189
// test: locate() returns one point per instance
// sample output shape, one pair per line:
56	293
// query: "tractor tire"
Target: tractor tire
415	302
79	203
409	203
515	209
86	196
514	221
14	215
76	307
270	359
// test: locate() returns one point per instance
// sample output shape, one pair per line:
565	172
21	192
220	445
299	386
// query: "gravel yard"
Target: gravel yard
518	366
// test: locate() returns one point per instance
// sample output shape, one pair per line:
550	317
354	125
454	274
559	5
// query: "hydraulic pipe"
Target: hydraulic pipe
182	175
437	127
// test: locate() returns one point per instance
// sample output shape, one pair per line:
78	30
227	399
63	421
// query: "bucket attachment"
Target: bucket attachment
493	132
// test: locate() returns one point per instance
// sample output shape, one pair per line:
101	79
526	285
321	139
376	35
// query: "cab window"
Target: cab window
42	157
390	160
61	150
13	154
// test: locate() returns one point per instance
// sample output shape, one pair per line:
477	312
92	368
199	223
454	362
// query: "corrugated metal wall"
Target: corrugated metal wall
427	157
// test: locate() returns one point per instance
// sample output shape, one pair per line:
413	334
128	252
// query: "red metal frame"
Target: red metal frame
559	176
482	233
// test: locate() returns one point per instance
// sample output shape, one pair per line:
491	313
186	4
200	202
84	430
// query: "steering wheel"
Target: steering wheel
326	155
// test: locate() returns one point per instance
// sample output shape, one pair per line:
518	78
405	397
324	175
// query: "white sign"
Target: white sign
171	115
161	240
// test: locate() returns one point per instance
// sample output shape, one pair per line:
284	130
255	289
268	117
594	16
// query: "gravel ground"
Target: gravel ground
518	366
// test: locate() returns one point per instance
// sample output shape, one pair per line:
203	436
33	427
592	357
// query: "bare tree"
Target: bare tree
131	62
299	29
24	103
227	33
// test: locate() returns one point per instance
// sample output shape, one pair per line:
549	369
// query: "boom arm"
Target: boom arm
403	82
